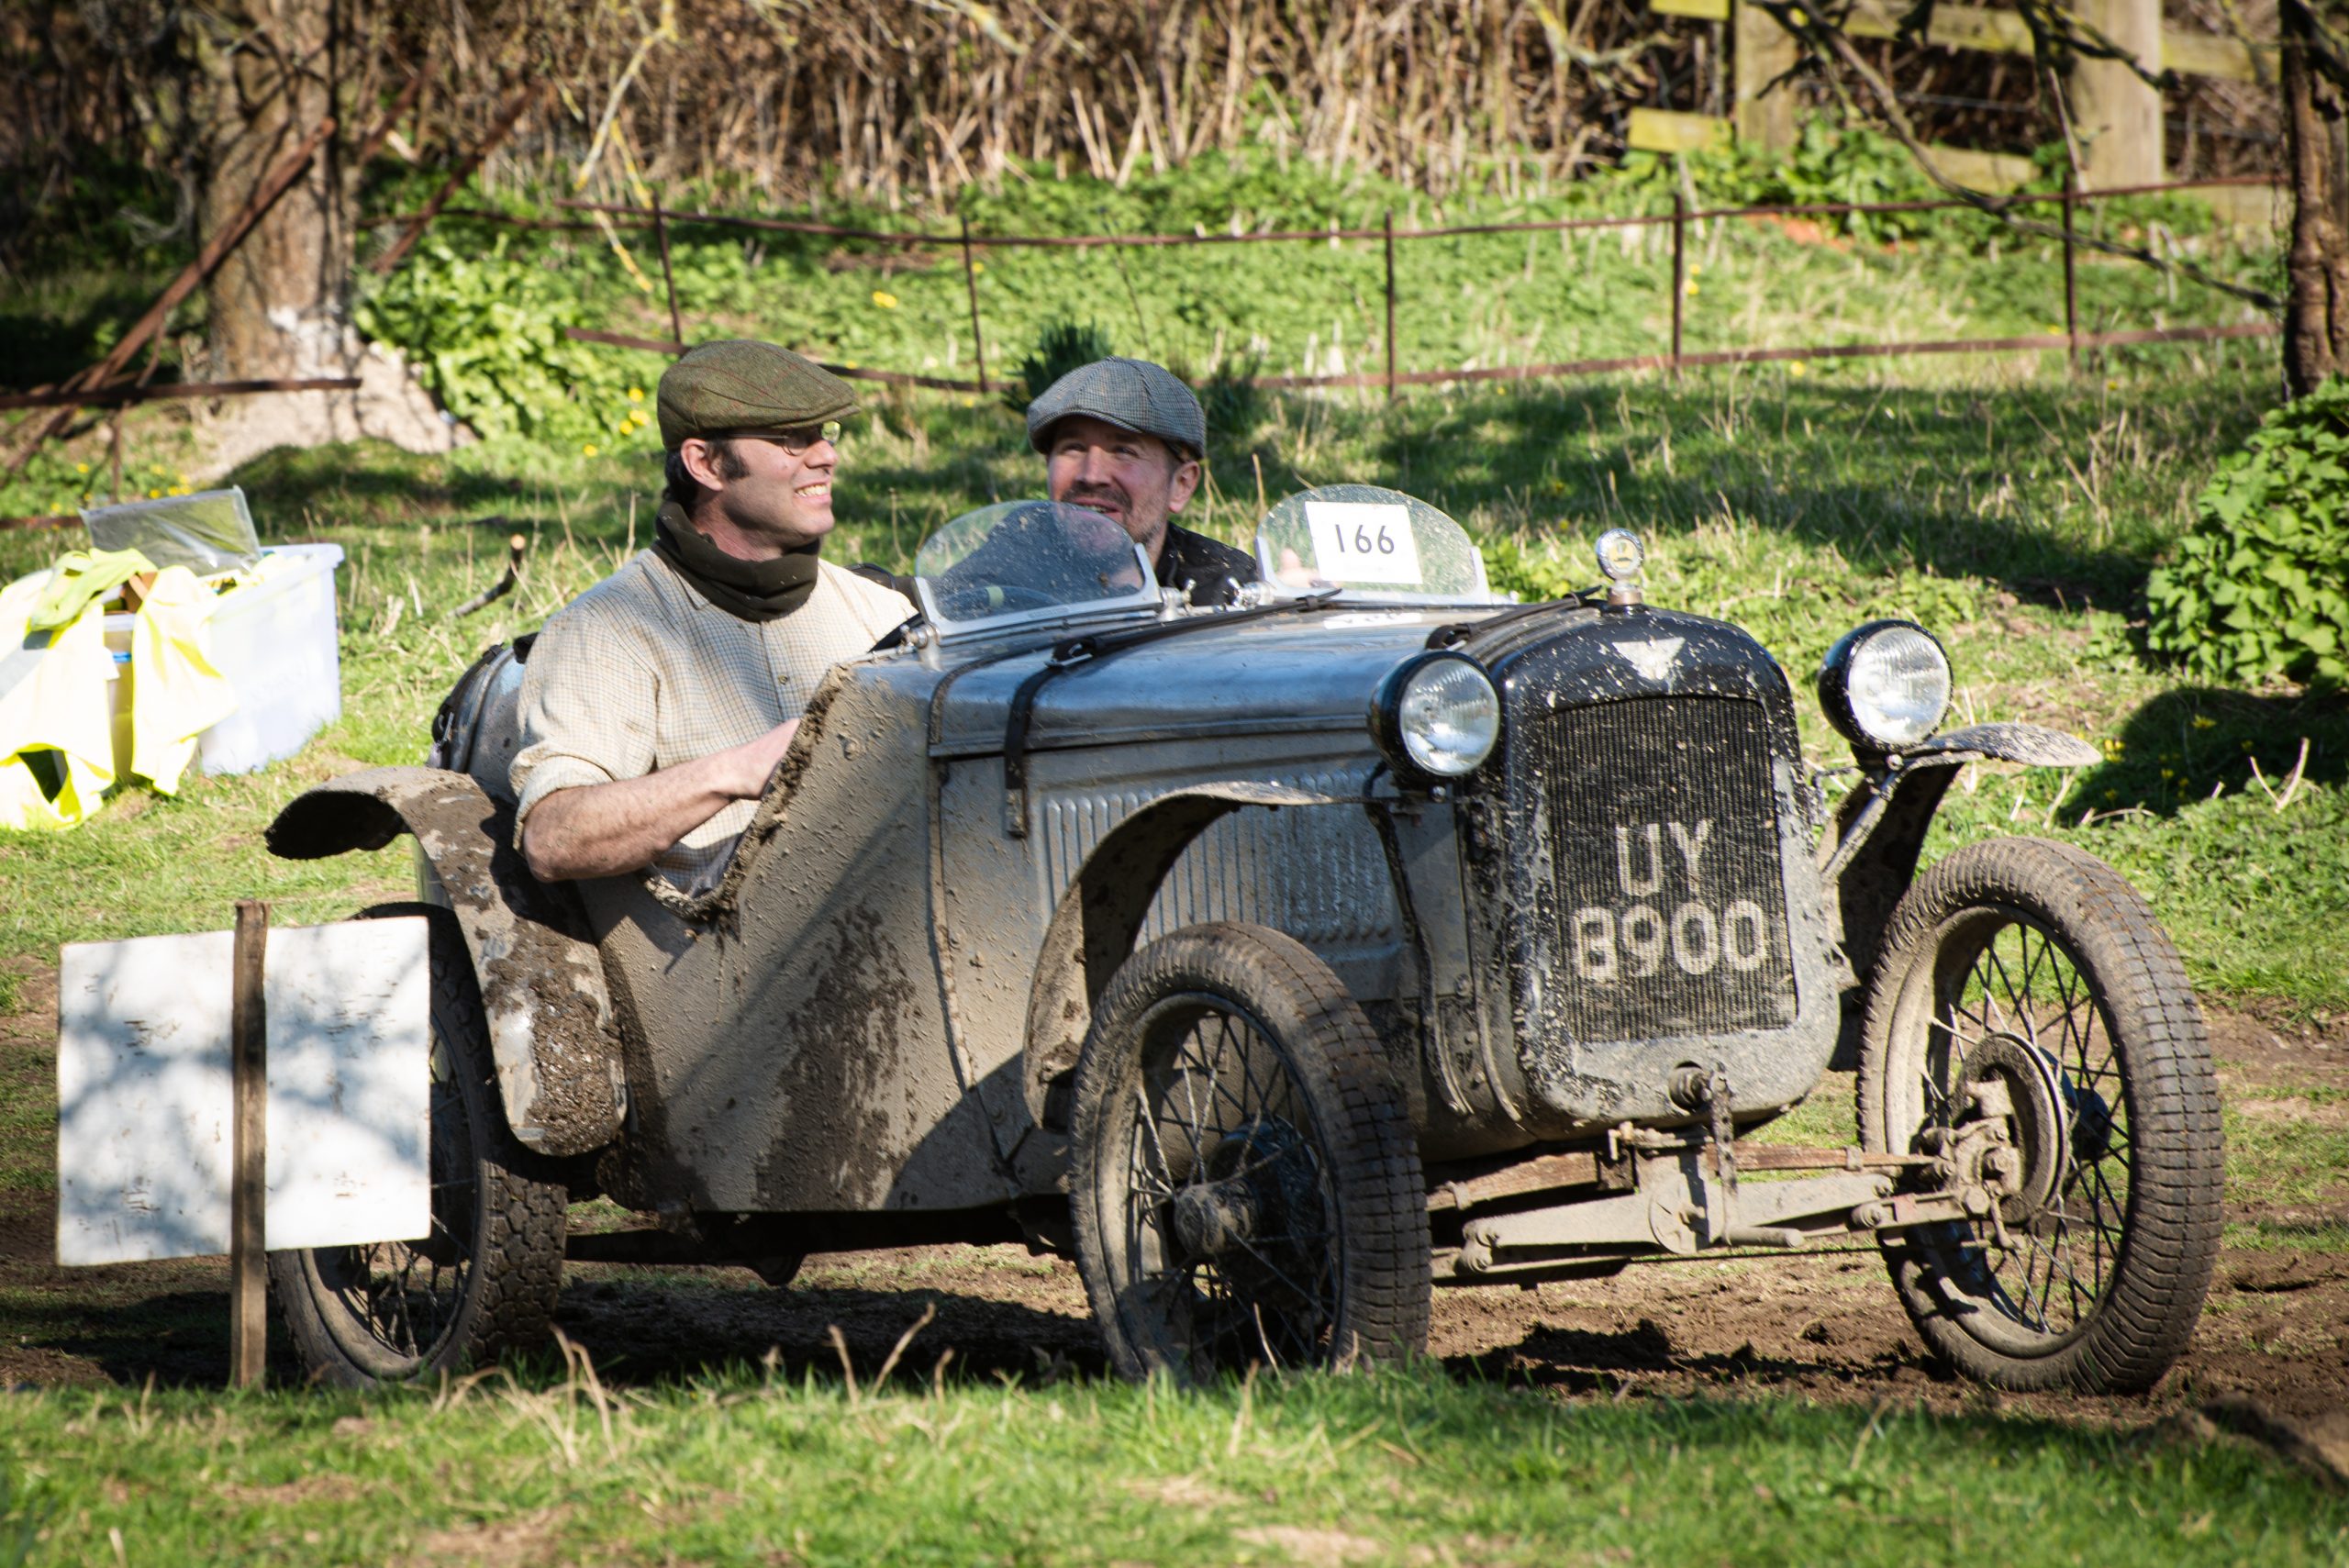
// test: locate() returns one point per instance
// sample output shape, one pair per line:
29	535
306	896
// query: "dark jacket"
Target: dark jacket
1210	569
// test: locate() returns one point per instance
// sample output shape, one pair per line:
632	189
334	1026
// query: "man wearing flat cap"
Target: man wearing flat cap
657	704
1126	438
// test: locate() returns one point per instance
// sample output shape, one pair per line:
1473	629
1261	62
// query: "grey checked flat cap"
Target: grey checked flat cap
1133	395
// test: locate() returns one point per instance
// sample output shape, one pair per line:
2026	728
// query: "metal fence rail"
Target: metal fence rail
1676	358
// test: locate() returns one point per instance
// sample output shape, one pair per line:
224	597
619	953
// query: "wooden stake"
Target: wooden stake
249	1172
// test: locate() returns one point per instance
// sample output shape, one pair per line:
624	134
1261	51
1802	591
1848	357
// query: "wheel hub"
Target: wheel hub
1257	1217
2022	1103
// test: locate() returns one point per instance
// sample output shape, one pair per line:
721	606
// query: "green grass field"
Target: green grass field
1399	1468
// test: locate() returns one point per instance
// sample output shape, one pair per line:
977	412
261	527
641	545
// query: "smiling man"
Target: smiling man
1126	438
658	704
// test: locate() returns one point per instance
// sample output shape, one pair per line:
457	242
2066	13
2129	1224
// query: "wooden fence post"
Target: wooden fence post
2115	112
1764	52
249	1150
1679	271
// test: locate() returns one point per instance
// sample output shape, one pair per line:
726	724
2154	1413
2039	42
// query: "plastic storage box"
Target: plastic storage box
275	643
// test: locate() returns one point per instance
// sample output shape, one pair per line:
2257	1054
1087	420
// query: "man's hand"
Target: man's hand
606	829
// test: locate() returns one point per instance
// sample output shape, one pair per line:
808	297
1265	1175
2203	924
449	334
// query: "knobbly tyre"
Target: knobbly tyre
1278	962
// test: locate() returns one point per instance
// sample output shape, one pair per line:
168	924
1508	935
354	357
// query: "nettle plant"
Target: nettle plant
2259	590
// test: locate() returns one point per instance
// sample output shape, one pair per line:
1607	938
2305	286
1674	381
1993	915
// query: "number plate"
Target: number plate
1362	541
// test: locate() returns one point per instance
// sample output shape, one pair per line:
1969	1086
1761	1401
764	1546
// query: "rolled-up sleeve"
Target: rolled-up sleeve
589	700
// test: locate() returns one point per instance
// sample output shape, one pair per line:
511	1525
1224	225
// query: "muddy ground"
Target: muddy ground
1825	1327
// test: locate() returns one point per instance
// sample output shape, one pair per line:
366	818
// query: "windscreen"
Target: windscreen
1371	541
1022	561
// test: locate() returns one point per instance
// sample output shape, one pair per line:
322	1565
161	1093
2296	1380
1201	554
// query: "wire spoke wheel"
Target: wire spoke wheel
1246	1187
2031	1025
483	1278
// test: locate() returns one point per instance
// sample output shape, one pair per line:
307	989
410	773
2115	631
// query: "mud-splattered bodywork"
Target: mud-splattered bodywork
878	1008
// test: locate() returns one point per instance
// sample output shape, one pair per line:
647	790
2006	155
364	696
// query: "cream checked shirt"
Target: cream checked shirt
641	672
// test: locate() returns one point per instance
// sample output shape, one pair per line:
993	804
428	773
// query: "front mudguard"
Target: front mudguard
551	1030
1871	857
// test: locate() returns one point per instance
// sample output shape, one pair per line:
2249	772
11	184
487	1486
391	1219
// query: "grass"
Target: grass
1402	1468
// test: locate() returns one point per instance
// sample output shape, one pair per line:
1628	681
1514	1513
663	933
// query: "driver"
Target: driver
658	704
1126	438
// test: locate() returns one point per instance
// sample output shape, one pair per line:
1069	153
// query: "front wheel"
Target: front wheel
2031	1025
483	1281
1246	1184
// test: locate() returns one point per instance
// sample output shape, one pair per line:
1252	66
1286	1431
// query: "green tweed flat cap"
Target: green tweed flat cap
739	386
1133	395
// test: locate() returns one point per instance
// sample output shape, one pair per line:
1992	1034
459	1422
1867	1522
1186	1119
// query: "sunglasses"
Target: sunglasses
806	436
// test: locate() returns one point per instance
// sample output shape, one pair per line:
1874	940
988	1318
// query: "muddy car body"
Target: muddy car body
1162	937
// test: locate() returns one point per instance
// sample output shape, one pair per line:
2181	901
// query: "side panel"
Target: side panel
550	1026
791	1051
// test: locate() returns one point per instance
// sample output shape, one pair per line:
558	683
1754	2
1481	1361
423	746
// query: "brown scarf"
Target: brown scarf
749	590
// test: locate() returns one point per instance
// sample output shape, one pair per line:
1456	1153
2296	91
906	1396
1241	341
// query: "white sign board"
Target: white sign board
1364	541
144	1090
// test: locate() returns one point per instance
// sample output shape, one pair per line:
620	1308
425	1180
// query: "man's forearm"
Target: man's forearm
610	828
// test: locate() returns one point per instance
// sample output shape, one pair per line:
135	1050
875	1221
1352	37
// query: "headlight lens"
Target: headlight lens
1437	716
1885	684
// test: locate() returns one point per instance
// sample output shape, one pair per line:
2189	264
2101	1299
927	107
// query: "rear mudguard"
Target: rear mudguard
1880	827
551	1031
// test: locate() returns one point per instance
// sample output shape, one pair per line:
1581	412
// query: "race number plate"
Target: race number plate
1364	541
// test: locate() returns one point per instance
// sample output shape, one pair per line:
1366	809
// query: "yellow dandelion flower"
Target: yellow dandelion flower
1795	367
636	395
81	468
2055	331
2111	384
884	299
1691	290
589	449
2168	774
154	495
2204	721
978	266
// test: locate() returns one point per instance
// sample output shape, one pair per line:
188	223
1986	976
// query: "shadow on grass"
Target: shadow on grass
2179	746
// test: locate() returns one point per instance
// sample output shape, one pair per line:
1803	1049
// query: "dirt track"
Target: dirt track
1826	1326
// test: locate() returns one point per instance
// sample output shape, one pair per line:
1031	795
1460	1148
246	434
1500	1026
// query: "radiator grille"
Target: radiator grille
1667	891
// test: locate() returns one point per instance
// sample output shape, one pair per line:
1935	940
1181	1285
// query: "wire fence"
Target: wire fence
1674	356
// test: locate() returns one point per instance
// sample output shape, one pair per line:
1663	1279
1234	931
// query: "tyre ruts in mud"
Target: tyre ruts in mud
1245	1184
2027	972
485	1282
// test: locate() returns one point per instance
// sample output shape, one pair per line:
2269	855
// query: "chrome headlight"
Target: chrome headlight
1436	716
1885	684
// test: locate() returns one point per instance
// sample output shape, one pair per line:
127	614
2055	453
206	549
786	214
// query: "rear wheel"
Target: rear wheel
1246	1185
485	1281
2031	1021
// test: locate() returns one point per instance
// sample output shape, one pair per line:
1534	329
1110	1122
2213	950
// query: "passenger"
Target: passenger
657	704
1126	438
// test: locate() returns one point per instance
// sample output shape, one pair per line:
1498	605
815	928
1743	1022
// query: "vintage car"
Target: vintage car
1278	962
